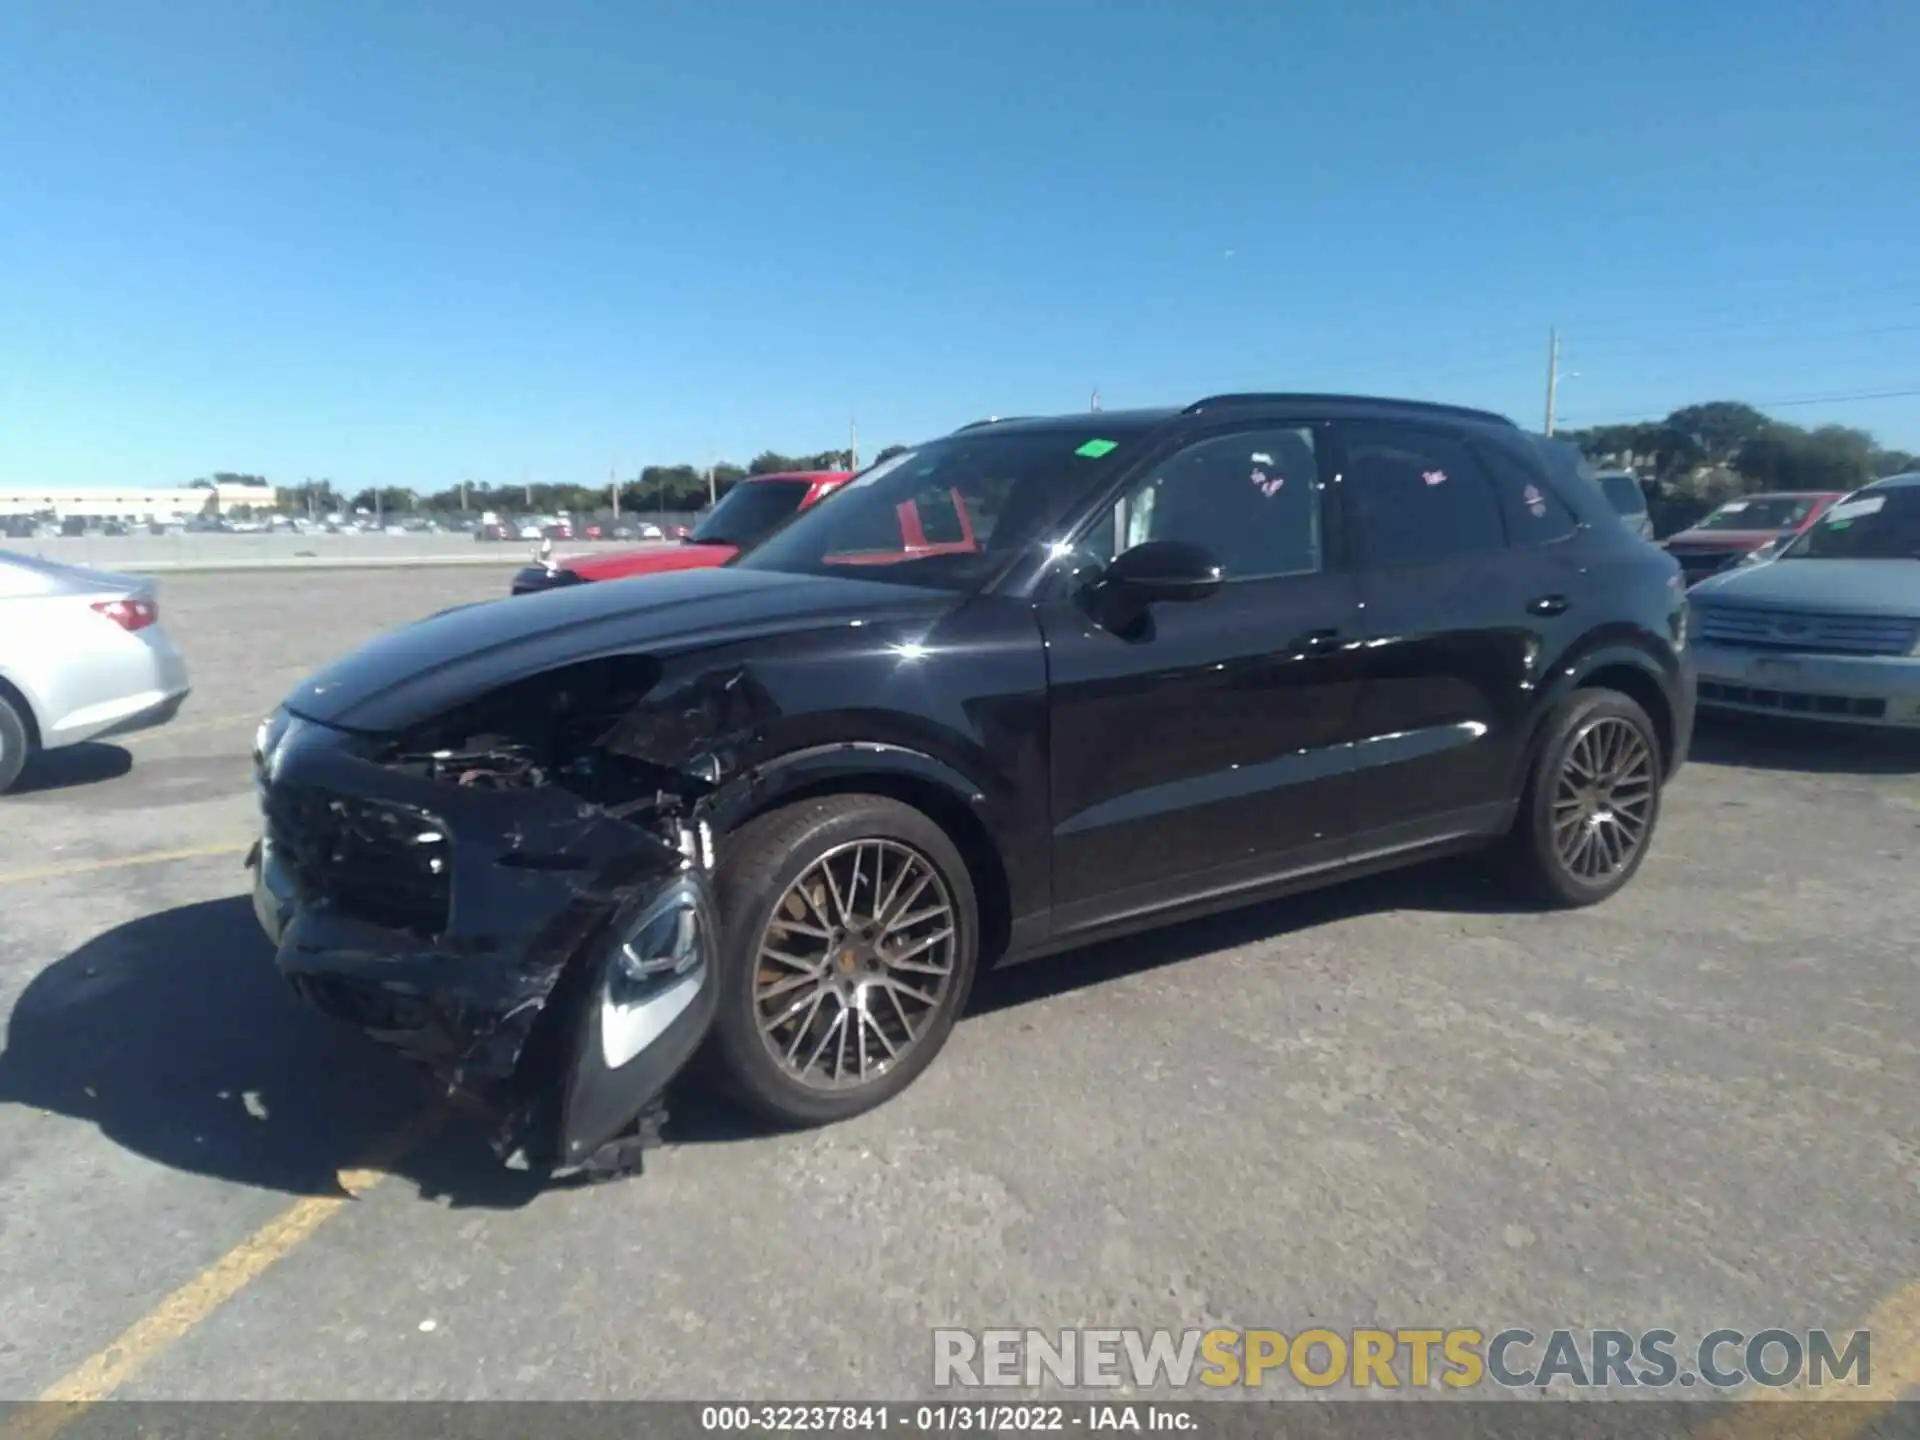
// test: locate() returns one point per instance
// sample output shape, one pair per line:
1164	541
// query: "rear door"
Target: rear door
1464	564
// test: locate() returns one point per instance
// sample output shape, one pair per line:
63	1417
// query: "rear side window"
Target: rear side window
1414	496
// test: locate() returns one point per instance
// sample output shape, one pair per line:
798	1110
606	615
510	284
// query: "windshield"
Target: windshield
1625	493
749	511
1874	525
950	514
1781	512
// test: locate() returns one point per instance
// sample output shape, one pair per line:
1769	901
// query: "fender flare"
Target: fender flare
768	783
1569	676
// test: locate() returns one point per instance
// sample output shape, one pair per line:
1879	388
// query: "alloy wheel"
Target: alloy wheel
854	964
1603	801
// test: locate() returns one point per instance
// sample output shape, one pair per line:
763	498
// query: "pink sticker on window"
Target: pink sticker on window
1434	477
1536	502
1266	484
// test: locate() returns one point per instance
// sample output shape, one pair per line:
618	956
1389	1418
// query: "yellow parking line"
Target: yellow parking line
97	1377
117	862
1843	1412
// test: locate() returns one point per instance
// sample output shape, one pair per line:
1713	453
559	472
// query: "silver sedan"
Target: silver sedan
82	657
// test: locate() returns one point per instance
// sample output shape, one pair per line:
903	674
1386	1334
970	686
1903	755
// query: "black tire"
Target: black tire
16	743
758	864
1534	859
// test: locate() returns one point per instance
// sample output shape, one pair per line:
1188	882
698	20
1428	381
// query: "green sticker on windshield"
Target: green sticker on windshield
1094	449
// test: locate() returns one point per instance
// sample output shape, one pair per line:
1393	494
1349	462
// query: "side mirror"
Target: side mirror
1164	570
1151	572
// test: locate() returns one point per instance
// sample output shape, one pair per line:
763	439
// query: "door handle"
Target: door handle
1550	605
1317	642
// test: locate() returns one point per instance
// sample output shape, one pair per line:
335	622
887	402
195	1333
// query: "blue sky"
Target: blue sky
406	243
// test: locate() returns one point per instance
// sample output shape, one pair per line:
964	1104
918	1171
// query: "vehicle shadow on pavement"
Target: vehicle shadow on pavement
73	766
1757	742
176	1037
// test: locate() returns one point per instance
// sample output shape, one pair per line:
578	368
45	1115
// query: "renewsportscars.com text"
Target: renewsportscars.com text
1374	1359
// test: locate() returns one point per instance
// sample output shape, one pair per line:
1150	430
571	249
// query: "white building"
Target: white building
128	503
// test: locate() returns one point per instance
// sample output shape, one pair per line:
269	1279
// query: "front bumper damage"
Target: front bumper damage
539	937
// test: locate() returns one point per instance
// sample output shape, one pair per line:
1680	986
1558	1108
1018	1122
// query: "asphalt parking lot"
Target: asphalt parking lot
1394	1103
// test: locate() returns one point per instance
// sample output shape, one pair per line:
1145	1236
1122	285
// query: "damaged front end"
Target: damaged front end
515	893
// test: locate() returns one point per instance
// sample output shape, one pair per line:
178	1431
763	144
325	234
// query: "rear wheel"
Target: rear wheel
1591	803
16	746
851	934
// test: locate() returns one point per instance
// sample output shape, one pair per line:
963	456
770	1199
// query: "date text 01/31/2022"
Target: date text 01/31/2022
934	1419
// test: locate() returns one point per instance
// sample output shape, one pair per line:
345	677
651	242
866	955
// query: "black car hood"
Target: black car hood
421	670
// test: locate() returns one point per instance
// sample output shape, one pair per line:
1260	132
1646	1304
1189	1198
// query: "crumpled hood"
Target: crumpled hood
421	670
1856	587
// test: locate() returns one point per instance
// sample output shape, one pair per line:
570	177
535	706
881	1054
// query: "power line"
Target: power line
1625	418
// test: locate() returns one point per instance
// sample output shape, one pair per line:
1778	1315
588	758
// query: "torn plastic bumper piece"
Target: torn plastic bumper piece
553	965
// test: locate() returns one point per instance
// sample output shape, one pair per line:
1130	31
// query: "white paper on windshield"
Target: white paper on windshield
1733	507
885	467
1854	509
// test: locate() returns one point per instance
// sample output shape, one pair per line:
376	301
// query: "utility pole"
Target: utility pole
526	482
463	497
613	484
1553	373
853	445
1095	406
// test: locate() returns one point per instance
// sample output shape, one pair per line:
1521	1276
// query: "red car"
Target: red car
1740	527
752	509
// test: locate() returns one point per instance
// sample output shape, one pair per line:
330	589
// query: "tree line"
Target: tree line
1701	456
660	489
1693	459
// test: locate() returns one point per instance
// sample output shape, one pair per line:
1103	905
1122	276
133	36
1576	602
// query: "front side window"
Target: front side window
1251	499
1872	525
749	511
902	519
1416	496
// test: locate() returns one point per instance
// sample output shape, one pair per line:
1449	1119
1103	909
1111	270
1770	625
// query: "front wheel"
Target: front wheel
1591	802
851	931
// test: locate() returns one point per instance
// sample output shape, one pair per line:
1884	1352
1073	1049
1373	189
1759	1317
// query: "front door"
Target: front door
1208	747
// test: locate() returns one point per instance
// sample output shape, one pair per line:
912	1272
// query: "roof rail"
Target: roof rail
990	420
1255	397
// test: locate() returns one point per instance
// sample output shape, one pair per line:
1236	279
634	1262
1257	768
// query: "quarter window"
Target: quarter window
1534	514
1416	496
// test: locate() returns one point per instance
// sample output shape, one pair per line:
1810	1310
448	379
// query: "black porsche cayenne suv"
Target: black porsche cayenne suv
777	815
